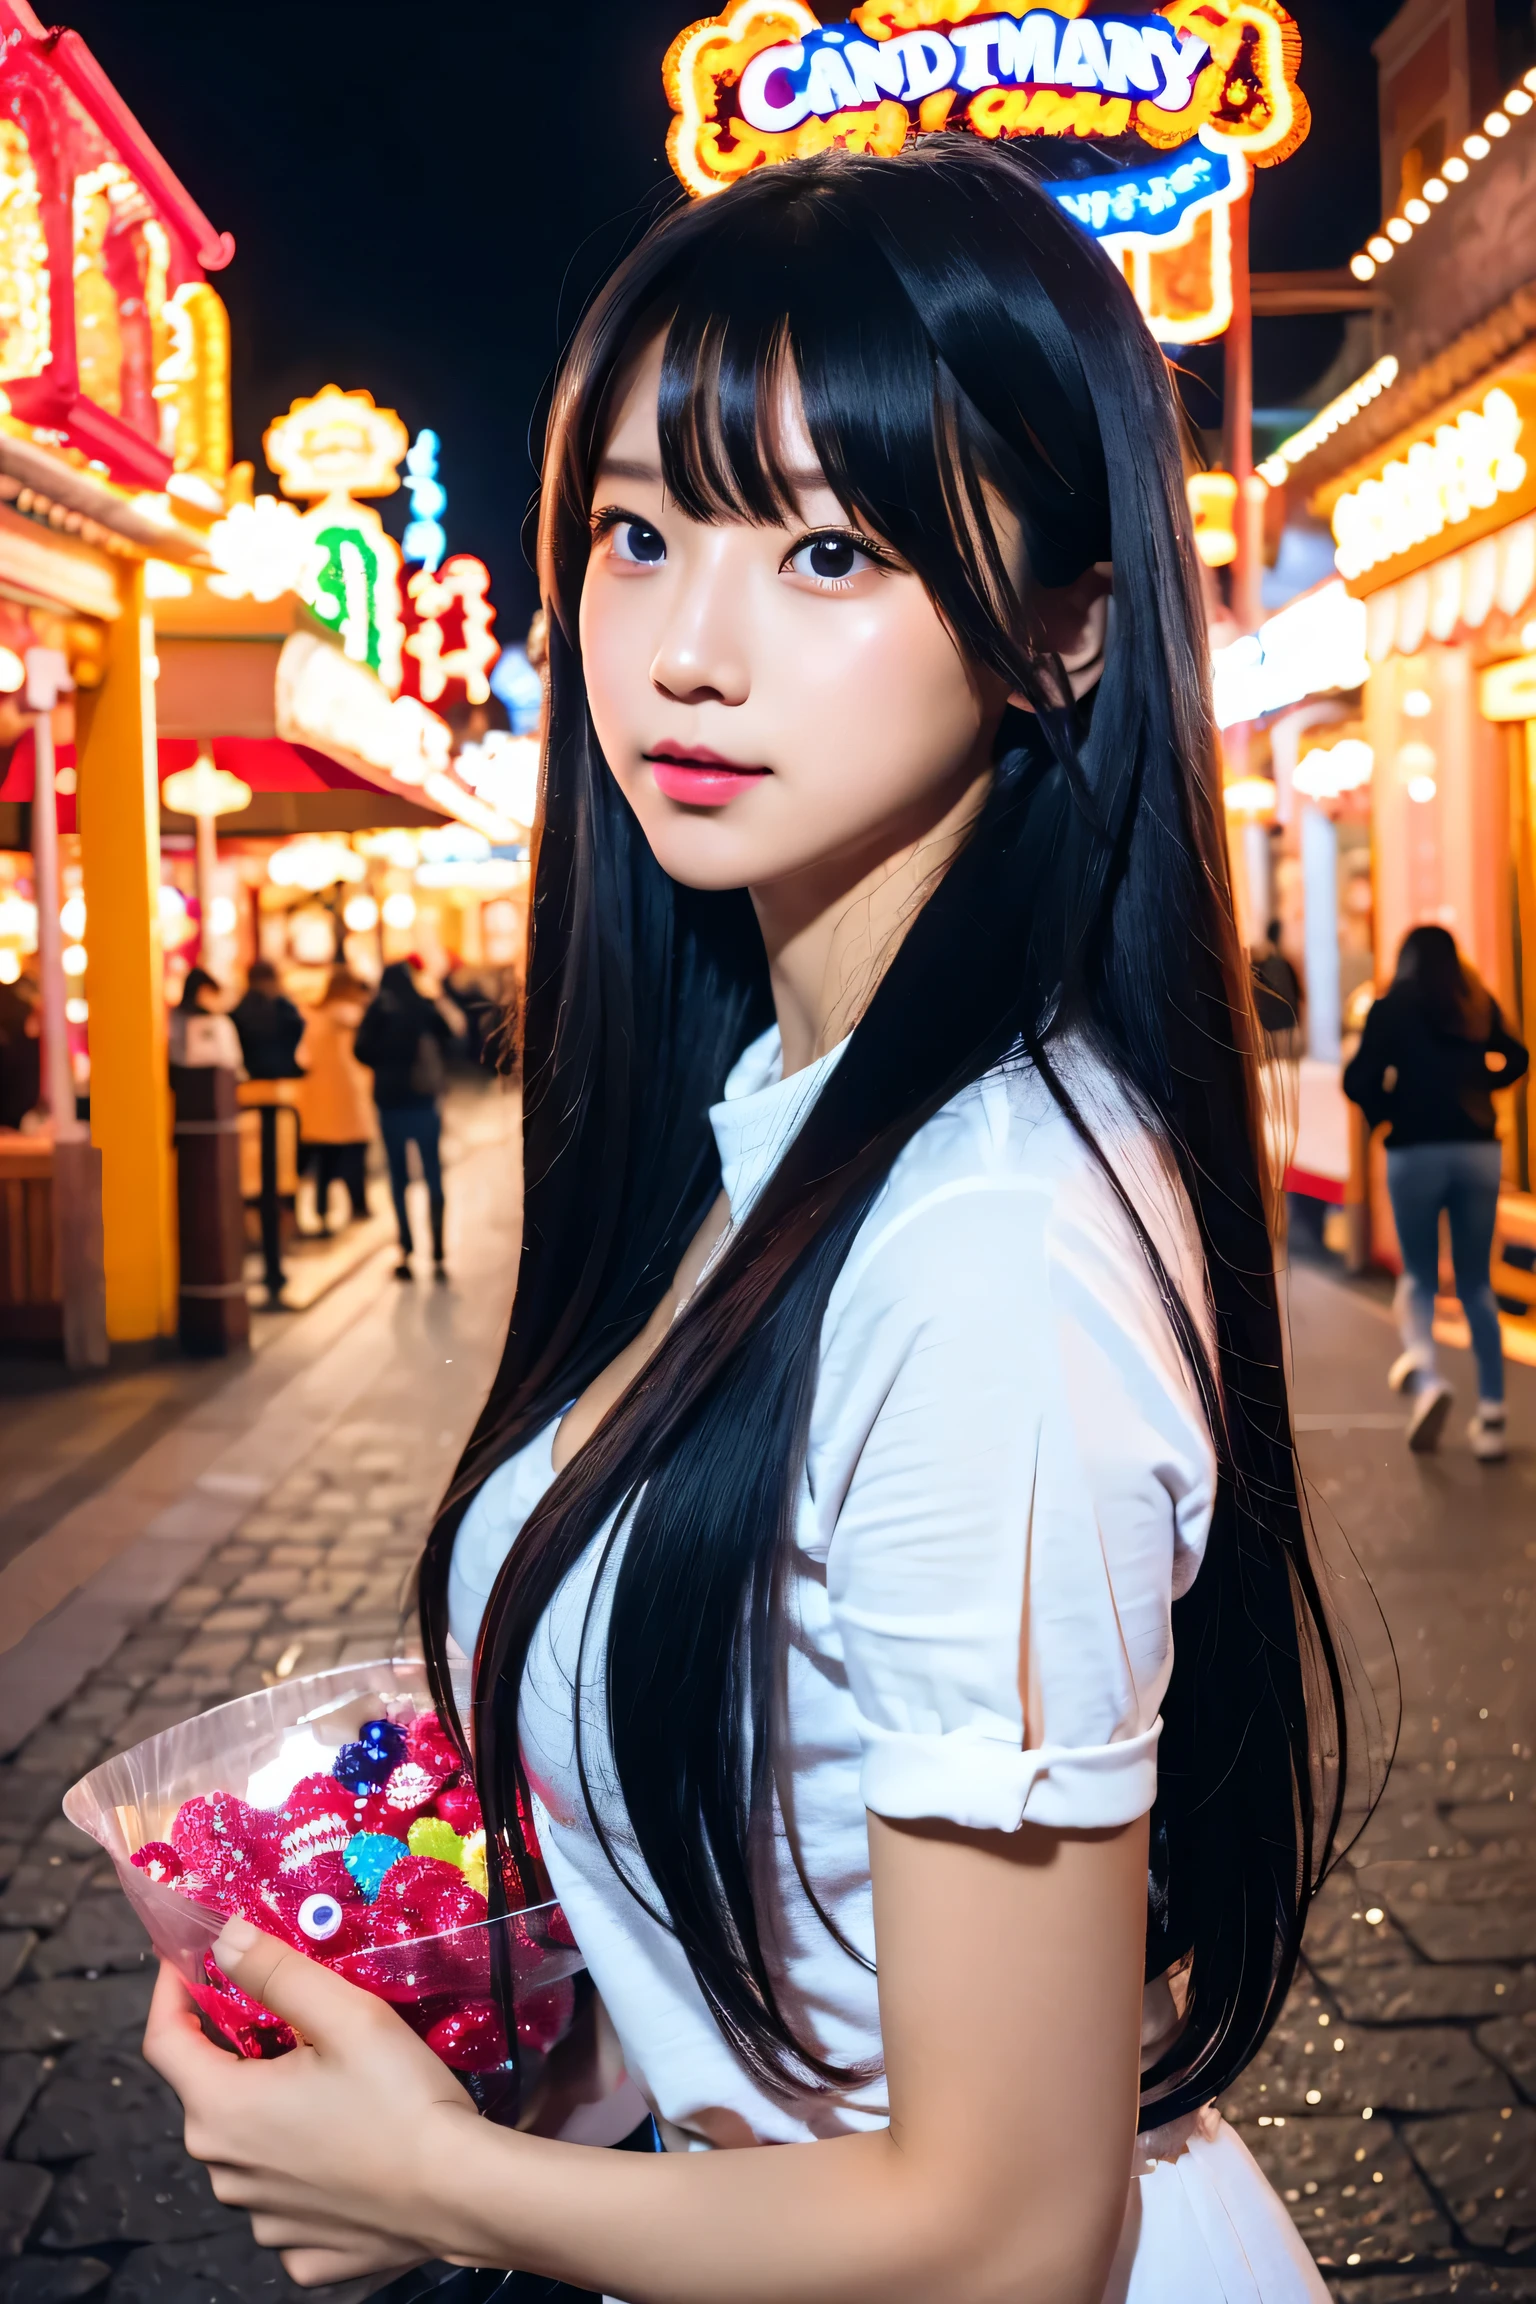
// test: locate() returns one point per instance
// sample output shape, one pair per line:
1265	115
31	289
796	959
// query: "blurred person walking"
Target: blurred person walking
404	1040
1434	1049
1277	995
335	1104
21	1044
269	1025
200	1033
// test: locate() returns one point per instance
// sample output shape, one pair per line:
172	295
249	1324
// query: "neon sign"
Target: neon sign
767	81
1463	480
424	539
336	447
1210	84
838	69
452	639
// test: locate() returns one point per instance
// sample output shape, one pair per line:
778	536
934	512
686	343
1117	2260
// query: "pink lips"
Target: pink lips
698	777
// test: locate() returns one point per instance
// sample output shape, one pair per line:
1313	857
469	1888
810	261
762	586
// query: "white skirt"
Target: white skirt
1207	2227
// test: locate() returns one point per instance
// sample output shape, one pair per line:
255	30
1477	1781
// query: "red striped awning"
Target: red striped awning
266	763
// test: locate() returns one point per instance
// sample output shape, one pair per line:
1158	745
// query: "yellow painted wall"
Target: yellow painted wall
119	818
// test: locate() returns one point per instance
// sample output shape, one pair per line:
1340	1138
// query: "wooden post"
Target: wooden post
215	1316
119	803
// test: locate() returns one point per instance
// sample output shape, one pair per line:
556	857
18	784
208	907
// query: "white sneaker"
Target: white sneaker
1431	1406
1487	1432
1404	1368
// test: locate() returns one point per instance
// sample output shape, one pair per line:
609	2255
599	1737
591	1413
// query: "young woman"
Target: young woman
335	1103
1433	1051
881	1550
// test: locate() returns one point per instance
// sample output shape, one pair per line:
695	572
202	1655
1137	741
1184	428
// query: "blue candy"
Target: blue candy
369	1855
384	1740
359	1769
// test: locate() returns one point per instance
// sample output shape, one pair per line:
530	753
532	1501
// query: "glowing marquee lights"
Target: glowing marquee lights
1461	481
454	639
1211	84
336	447
425	538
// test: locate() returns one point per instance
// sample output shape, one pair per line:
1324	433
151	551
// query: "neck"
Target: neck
832	930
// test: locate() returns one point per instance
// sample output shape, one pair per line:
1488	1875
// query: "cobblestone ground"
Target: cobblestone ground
1395	2106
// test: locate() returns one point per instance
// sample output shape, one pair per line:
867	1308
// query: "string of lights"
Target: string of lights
1278	466
1454	169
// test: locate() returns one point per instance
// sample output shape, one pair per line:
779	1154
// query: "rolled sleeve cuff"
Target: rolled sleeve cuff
976	1780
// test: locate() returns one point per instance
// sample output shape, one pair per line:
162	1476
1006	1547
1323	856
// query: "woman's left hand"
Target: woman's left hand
324	2146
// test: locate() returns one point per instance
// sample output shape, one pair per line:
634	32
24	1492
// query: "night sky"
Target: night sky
418	208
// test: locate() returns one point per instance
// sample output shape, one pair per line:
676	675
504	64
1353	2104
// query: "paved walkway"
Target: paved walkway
1396	2103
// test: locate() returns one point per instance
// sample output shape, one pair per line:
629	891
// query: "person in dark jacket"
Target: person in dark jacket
269	1025
403	1040
1434	1050
1276	995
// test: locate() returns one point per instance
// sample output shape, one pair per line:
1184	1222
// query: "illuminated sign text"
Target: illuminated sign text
1461	481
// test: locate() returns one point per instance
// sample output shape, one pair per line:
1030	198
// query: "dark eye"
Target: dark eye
639	542
830	560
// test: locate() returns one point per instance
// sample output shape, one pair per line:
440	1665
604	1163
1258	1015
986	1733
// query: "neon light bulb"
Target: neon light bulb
72	917
1530	78
1399	229
1421	788
1497	124
1381	248
72	960
425	538
1417	704
1435	189
1363	266
77	1011
1416	211
400	910
1477	147
1455	168
1518	102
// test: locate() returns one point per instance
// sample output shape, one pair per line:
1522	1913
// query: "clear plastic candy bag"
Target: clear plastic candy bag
232	1811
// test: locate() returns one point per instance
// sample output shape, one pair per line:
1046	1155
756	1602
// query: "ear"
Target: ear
1072	624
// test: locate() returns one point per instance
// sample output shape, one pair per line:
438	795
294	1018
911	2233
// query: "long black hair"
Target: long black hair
950	331
1433	978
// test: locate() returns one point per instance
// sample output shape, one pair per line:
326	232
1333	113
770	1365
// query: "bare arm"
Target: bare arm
1010	1998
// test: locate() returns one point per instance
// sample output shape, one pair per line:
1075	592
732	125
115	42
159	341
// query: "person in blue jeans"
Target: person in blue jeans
403	1041
1434	1050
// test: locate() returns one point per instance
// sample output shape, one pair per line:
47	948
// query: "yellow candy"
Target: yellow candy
433	1836
472	1860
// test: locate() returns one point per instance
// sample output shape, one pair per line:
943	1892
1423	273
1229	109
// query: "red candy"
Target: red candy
470	2038
459	1806
221	1842
318	1818
159	1859
543	2016
323	1876
254	2029
381	1966
409	1793
428	1743
423	1944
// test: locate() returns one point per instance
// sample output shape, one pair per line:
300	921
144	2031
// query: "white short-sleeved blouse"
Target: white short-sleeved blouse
1009	1480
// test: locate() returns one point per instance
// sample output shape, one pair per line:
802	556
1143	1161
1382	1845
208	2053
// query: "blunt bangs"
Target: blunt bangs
915	397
